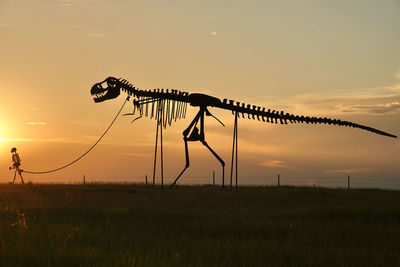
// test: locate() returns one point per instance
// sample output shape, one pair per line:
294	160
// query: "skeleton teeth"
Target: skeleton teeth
98	95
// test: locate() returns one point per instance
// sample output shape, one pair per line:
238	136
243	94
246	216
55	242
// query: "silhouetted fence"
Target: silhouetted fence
344	181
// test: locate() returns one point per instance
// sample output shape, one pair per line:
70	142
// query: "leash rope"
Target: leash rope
84	154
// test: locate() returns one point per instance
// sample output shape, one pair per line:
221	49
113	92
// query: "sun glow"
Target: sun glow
1	133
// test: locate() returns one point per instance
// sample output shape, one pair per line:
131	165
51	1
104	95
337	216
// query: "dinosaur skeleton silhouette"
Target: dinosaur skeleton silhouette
169	105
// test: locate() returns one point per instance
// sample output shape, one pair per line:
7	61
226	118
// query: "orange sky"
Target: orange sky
329	59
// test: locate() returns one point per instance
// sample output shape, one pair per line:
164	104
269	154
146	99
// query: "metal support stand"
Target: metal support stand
234	150
155	152
161	143
160	122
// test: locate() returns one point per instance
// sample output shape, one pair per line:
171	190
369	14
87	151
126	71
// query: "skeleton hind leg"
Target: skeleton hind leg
187	161
186	132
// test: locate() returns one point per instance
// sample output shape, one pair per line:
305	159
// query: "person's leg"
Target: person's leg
15	175
22	179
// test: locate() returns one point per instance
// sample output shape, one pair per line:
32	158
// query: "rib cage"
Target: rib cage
169	104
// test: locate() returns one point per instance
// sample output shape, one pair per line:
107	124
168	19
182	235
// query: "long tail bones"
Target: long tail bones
173	104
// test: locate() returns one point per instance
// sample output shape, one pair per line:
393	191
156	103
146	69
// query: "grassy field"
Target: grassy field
135	225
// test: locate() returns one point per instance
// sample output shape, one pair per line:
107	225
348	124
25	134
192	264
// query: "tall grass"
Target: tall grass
136	225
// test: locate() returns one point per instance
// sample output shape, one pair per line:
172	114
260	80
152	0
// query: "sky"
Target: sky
337	59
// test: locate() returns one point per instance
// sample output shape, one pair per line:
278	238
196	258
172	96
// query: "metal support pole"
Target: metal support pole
161	143
234	151
155	149
84	180
237	133
146	178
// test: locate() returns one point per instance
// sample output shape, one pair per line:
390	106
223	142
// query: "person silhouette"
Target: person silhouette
16	160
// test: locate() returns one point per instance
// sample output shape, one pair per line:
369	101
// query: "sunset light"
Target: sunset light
317	61
199	133
2	131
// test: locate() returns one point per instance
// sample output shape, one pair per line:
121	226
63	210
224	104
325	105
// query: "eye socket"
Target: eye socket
104	85
111	84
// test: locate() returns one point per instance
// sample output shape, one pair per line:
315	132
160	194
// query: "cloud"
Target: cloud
273	163
378	108
36	123
69	3
371	101
9	25
349	171
53	140
397	74
134	154
96	34
374	101
383	100
17	140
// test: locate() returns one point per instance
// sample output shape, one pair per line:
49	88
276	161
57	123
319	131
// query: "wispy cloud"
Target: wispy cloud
9	25
273	163
36	123
134	154
55	140
17	140
96	34
378	108
349	171
377	101
373	101
397	74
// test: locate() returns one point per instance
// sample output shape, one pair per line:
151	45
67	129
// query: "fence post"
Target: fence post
348	181
213	178
84	178
279	180
146	178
